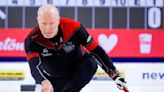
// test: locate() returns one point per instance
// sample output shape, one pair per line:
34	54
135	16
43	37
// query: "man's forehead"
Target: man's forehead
47	10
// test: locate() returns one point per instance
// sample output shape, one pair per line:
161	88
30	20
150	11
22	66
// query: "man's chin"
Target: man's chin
48	37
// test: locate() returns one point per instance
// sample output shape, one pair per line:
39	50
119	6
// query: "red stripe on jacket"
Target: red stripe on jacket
32	55
92	46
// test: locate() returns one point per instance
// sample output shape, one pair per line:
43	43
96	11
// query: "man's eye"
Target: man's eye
44	24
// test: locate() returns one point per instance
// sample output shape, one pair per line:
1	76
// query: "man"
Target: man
57	57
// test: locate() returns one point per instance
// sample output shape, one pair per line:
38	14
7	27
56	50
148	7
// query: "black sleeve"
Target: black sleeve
31	49
30	46
91	45
36	70
83	36
103	59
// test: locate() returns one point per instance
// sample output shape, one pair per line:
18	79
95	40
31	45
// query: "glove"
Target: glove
120	81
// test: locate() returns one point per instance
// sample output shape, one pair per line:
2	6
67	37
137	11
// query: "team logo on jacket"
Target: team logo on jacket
45	53
68	47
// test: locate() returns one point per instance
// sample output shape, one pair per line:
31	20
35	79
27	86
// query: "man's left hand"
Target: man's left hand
121	83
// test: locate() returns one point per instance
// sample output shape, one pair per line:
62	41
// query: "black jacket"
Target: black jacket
58	56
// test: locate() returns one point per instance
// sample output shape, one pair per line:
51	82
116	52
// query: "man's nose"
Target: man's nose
47	27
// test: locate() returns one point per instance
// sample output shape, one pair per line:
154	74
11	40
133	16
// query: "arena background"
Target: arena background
130	31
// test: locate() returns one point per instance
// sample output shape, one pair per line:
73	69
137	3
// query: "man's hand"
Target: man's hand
46	86
121	83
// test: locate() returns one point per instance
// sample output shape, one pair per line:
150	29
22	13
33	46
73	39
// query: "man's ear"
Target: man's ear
37	19
59	19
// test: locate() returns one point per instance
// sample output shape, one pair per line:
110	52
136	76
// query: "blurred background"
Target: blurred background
130	31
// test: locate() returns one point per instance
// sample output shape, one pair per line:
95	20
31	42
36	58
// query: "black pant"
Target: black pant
83	73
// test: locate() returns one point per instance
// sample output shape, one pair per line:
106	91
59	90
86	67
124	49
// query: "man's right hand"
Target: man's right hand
46	86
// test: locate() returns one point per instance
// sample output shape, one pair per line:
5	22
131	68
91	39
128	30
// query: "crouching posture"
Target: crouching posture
61	54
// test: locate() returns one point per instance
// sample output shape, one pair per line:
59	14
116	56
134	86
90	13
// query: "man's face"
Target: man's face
48	25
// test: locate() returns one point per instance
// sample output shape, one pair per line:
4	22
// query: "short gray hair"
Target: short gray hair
48	8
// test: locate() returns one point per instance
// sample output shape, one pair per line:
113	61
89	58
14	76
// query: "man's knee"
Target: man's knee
84	73
88	67
92	64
